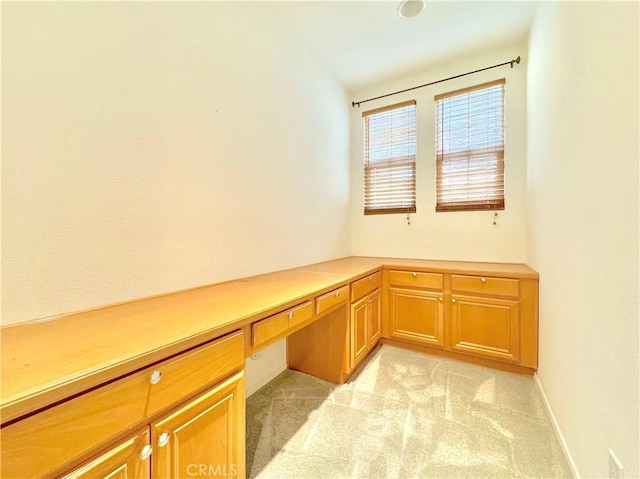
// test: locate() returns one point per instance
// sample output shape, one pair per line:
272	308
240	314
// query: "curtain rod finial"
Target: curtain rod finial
354	103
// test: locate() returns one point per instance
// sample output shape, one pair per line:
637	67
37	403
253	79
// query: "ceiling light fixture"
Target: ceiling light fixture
410	8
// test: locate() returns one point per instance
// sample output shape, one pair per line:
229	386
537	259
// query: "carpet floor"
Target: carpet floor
403	415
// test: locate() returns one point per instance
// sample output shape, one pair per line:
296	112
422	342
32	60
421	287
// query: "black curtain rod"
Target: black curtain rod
510	62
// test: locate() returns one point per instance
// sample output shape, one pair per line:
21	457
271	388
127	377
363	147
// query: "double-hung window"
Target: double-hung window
470	148
390	159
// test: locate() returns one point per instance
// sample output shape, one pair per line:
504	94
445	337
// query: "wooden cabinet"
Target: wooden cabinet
203	438
417	315
365	328
127	460
488	317
56	439
485	326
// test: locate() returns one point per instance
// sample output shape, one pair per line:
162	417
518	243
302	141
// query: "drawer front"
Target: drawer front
278	324
300	314
330	299
416	279
485	285
364	286
194	370
47	441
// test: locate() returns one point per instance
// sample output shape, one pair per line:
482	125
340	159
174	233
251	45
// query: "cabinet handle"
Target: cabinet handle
163	440
291	315
370	278
155	377
337	293
415	275
146	452
453	300
484	280
440	298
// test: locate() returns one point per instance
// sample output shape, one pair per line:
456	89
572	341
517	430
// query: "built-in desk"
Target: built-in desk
131	372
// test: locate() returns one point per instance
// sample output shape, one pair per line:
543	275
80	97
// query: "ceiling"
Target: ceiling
364	42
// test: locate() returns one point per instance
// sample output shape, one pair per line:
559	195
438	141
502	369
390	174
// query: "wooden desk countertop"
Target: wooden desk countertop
47	361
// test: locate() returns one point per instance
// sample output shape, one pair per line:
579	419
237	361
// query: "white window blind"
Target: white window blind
390	159
470	148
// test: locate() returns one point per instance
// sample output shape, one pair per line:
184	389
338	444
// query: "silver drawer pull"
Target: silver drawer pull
163	440
440	298
155	377
291	315
370	278
414	274
337	293
484	280
146	452
453	300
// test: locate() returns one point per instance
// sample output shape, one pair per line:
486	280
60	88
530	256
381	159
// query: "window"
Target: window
470	148
390	159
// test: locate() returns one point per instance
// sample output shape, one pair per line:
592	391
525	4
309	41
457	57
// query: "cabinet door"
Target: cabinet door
359	339
205	437
375	323
417	316
486	327
127	460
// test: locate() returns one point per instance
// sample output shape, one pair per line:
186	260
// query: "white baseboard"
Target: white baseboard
266	379
556	428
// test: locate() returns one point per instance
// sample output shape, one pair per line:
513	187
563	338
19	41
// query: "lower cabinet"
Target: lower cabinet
417	316
365	327
205	438
489	317
128	460
180	417
486	327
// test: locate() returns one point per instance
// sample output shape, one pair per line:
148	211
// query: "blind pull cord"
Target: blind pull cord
510	62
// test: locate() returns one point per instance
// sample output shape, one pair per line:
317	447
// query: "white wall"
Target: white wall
152	147
451	235
582	231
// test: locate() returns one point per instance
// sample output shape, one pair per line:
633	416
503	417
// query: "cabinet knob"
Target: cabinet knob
337	293
155	377
370	278
453	300
440	298
146	452
484	280
163	440
291	315
414	275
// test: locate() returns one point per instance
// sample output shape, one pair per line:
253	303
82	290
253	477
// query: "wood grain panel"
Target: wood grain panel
329	300
120	462
364	286
204	437
417	316
486	327
415	279
485	285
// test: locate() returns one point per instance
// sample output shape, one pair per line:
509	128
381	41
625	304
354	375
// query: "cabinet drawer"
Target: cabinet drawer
278	324
485	285
416	279
194	370
52	438
364	286
330	299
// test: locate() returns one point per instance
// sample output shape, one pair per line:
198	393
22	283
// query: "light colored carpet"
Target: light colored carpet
405	415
